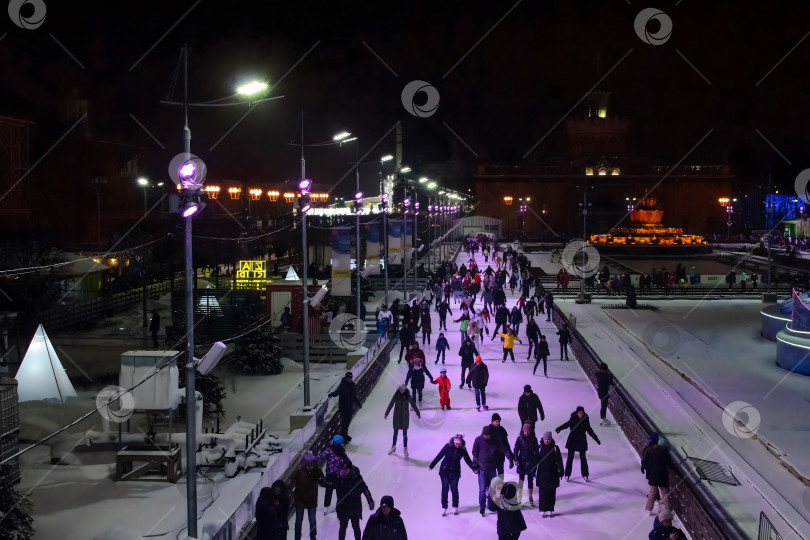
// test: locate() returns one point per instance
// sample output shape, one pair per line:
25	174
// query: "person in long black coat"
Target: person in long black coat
386	523
406	337
268	525
479	377
400	402
467	352
450	470
350	486
527	456
346	393
549	473
283	507
565	339
580	424
657	463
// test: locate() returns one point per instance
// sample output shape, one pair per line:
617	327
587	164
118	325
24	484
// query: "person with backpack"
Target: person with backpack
349	507
400	402
450	471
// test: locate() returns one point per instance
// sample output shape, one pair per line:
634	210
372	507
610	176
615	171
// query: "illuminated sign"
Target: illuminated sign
251	275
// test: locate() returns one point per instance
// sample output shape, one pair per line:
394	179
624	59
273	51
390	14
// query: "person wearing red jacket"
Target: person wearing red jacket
444	389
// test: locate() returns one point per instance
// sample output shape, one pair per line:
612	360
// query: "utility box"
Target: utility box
159	391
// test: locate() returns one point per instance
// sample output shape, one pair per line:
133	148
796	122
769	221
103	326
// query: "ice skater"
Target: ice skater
346	393
656	465
541	353
441	347
529	405
479	377
444	389
527	456
450	470
549	473
508	344
565	339
603	379
416	374
487	454
510	518
467	352
335	457
400	402
349	507
579	424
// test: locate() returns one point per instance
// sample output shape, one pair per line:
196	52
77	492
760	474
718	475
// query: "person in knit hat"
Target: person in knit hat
307	477
527	455
479	377
528	406
487	455
450	471
549	473
502	440
400	402
386	523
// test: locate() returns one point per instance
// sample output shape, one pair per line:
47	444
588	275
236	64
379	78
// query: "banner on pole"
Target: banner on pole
408	241
395	242
341	261
373	247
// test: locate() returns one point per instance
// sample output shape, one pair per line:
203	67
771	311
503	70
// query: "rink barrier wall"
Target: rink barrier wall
699	516
314	436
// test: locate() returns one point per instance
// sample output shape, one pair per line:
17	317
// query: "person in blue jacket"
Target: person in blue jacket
442	345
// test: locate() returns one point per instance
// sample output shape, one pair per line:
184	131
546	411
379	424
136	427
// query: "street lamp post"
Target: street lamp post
406	267
415	247
384	258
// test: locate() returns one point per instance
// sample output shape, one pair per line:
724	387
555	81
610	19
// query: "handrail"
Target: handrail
311	436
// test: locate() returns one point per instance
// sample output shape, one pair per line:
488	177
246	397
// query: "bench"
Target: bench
148	463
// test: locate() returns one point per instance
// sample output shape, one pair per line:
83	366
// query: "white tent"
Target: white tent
41	375
291	275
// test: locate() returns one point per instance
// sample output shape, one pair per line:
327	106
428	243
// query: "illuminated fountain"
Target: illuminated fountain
793	342
646	229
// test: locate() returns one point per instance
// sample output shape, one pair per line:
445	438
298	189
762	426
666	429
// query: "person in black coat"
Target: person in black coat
510	518
549	304
443	309
533	335
657	463
467	352
450	470
406	336
499	296
501	438
386	523
346	393
527	455
283	507
528	406
400	402
479	377
580	424
488	454
501	320
154	327
549	473
541	355
268	525
349	487
663	528
603	380
565	339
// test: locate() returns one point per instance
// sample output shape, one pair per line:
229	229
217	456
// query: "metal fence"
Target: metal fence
72	315
700	521
766	529
315	436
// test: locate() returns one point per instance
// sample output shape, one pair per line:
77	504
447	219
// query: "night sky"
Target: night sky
504	80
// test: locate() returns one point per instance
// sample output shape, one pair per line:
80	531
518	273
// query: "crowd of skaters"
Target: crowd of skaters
539	461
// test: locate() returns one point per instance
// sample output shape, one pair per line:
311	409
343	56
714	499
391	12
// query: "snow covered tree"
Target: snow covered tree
15	523
257	351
